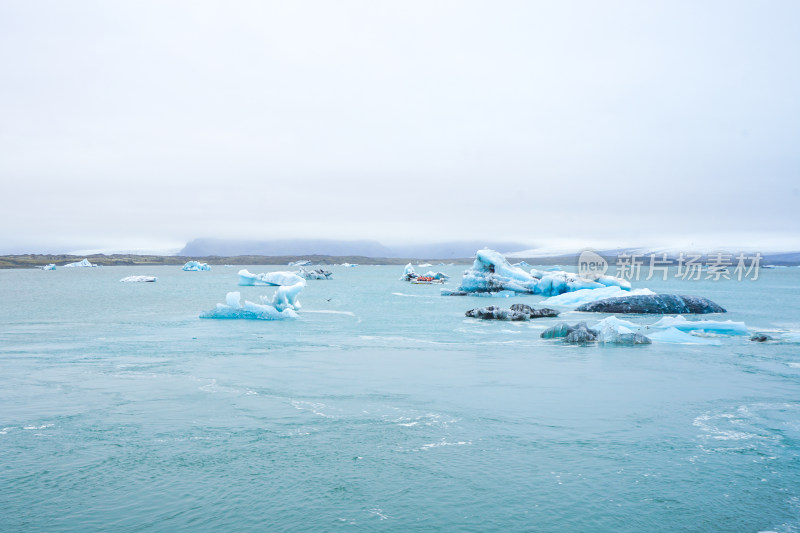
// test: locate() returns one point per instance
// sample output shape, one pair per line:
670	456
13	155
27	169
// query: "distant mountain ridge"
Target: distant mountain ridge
205	247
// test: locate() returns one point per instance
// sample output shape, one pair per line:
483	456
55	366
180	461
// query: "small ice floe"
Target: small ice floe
139	279
78	264
300	263
281	306
194	266
248	279
51	266
349	265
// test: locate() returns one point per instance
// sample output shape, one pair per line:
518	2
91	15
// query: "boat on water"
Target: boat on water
426	280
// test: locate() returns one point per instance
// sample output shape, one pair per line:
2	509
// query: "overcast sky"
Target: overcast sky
146	124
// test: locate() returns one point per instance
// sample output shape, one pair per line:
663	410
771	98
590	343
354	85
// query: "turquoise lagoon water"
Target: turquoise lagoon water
382	409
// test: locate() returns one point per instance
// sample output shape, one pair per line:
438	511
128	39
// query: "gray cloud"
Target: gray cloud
154	122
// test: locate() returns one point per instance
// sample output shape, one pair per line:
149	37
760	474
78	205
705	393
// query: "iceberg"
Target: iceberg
194	266
608	331
657	304
314	274
518	312
78	264
726	327
491	273
409	273
437	275
674	336
51	266
300	263
139	279
349	265
612	330
248	279
585	296
281	306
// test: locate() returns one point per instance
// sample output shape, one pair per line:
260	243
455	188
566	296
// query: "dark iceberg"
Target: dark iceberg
518	312
654	304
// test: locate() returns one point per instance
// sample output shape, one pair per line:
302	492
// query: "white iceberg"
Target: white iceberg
248	279
349	265
583	296
79	264
300	263
139	279
51	266
491	272
281	306
722	327
194	266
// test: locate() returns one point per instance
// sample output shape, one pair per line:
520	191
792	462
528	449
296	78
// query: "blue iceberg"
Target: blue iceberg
281	306
491	273
194	266
51	266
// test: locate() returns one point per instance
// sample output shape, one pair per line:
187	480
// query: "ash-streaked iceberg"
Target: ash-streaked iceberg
139	279
283	305
79	264
195	266
492	273
281	278
318	273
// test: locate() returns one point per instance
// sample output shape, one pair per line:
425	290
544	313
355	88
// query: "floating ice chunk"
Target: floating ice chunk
139	279
674	336
194	266
409	273
51	266
300	263
233	308
522	264
286	296
314	274
78	264
424	265
491	272
583	296
349	265
437	275
726	327
247	279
